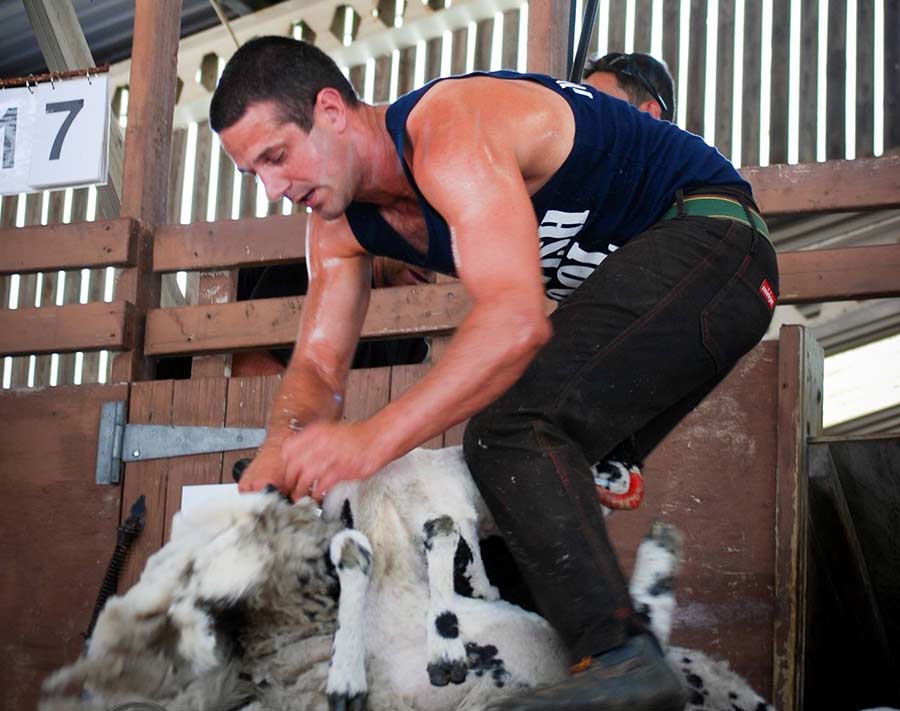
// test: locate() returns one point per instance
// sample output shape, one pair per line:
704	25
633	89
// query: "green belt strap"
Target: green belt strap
721	207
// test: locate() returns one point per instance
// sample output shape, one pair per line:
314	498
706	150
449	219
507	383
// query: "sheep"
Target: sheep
256	604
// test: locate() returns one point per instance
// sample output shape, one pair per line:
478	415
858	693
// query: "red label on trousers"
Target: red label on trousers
767	293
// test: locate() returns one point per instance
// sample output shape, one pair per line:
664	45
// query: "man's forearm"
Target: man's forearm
305	395
488	353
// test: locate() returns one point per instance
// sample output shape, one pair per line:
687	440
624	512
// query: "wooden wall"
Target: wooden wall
763	48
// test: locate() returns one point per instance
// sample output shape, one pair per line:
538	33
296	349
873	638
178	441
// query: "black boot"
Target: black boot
633	677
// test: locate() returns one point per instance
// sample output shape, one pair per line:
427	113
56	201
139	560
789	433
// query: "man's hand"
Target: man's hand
266	468
326	452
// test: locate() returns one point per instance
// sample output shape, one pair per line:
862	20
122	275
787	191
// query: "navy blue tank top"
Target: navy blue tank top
618	180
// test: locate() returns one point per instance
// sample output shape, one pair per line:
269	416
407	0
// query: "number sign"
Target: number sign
54	135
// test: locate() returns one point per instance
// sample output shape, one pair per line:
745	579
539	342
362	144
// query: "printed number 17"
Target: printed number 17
8	128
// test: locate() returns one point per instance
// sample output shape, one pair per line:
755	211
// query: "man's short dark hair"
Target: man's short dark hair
635	72
289	72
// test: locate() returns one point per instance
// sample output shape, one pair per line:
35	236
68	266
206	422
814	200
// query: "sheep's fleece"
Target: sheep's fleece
239	611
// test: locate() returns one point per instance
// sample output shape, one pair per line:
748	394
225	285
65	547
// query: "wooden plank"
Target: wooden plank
433	49
202	156
403	377
891	69
148	148
215	288
458	51
548	38
799	416
64	48
249	404
8	207
358	78
865	79
484	35
839	274
406	71
720	454
248	196
49	286
74	246
230	243
867	183
809	80
57	531
176	176
671	38
60	329
725	77
510	48
393	312
382	93
201	403
643	23
616	37
150	404
224	189
750	102
778	77
779	189
696	73
368	391
27	290
835	124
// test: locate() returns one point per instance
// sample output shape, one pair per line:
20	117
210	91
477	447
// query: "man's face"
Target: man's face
308	169
608	84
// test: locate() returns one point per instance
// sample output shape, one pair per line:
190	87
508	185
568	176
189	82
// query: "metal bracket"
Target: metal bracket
120	442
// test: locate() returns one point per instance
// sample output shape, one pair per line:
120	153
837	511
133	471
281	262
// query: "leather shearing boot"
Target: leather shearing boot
633	677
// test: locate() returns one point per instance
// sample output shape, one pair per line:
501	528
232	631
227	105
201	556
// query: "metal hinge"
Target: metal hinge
120	442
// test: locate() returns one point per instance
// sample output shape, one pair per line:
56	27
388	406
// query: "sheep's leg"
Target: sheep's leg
470	566
651	586
351	554
446	652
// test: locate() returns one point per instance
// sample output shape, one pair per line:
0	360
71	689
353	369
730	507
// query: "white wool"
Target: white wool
163	640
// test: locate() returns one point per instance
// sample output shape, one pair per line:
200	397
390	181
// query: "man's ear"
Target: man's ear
651	106
331	108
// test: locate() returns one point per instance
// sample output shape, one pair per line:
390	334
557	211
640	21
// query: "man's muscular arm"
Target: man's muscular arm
312	387
466	165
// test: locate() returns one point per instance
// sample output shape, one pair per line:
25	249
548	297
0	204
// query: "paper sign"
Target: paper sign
54	135
198	495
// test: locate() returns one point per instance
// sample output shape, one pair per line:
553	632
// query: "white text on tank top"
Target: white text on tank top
564	263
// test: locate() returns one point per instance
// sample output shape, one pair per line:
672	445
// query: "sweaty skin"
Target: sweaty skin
478	149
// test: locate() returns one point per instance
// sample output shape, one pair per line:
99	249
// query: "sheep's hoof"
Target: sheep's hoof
447	672
342	702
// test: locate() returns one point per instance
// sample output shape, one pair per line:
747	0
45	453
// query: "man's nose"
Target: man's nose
276	186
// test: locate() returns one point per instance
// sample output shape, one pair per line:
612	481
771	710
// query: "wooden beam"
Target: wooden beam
839	274
548	37
395	312
779	189
62	42
108	243
148	145
64	329
832	186
798	417
436	309
230	243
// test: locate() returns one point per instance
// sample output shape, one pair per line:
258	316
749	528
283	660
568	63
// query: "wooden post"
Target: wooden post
548	36
799	417
147	153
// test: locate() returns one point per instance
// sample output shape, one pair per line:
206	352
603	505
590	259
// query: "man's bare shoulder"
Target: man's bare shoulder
331	239
474	98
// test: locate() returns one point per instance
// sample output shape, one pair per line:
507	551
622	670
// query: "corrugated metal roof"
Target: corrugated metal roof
107	25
